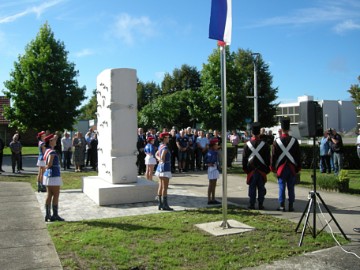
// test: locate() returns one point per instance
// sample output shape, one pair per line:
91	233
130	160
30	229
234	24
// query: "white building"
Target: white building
337	114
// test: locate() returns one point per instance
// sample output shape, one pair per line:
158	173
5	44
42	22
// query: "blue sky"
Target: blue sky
311	46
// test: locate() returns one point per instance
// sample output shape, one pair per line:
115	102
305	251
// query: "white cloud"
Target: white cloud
345	26
132	29
83	53
341	12
38	10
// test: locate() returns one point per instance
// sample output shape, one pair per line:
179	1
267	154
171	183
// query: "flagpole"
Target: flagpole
224	223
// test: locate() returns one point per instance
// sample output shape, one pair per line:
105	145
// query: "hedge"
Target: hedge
351	159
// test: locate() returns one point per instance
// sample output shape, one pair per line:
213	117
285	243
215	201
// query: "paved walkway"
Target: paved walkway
189	191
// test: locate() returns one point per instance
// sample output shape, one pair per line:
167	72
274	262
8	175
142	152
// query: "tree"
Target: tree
88	111
186	77
239	78
43	88
169	110
146	92
355	95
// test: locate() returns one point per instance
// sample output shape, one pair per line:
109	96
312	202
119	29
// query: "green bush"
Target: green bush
327	182
333	182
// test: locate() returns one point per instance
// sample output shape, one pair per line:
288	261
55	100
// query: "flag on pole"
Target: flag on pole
221	20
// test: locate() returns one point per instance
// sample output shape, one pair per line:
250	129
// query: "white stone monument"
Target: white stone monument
117	181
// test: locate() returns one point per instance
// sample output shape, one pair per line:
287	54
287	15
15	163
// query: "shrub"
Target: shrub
333	182
327	181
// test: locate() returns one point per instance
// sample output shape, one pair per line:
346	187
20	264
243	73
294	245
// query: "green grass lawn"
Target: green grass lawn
171	241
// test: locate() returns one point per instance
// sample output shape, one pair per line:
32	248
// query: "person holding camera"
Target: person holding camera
337	149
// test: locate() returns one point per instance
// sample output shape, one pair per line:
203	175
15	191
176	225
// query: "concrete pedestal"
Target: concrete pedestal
105	193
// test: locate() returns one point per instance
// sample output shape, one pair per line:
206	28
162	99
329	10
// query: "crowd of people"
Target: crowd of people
195	150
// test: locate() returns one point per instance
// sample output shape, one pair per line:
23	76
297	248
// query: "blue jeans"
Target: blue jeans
257	182
338	162
286	179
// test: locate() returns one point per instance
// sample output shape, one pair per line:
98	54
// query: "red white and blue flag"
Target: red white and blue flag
221	21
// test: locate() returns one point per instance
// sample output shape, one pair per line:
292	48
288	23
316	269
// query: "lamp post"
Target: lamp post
255	58
326	121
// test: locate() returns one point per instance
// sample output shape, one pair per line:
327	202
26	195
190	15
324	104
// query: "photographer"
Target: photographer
337	149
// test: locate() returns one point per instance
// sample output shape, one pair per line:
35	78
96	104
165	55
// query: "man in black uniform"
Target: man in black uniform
140	145
256	164
285	162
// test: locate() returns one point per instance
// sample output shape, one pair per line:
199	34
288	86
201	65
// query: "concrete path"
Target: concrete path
188	190
25	242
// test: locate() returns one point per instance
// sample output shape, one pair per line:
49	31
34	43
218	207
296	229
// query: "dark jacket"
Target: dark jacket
255	163
294	151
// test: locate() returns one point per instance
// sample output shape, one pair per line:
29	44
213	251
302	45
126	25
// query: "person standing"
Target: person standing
256	164
286	163
173	149
182	143
58	147
163	171
325	153
358	144
211	160
40	162
66	147
150	160
88	138
338	151
140	145
52	179
234	139
94	152
201	150
15	147
79	152
190	157
219	149
2	146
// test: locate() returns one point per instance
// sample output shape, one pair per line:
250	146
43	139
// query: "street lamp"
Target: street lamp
255	57
326	121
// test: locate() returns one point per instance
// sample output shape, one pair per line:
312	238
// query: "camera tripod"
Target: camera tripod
311	204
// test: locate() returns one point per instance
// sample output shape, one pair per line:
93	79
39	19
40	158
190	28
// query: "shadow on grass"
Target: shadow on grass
120	226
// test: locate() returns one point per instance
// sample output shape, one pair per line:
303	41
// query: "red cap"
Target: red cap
49	137
40	134
164	134
214	141
150	138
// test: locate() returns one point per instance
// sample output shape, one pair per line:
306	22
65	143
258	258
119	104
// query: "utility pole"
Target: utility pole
255	59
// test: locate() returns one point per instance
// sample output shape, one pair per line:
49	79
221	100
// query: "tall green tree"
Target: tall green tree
186	77
169	110
355	95
43	88
239	84
146	92
88	111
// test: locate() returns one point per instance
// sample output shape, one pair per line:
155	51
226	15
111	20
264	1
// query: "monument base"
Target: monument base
105	193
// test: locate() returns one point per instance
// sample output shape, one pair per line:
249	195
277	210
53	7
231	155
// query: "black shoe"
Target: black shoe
216	202
357	230
261	207
251	207
291	207
1	170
